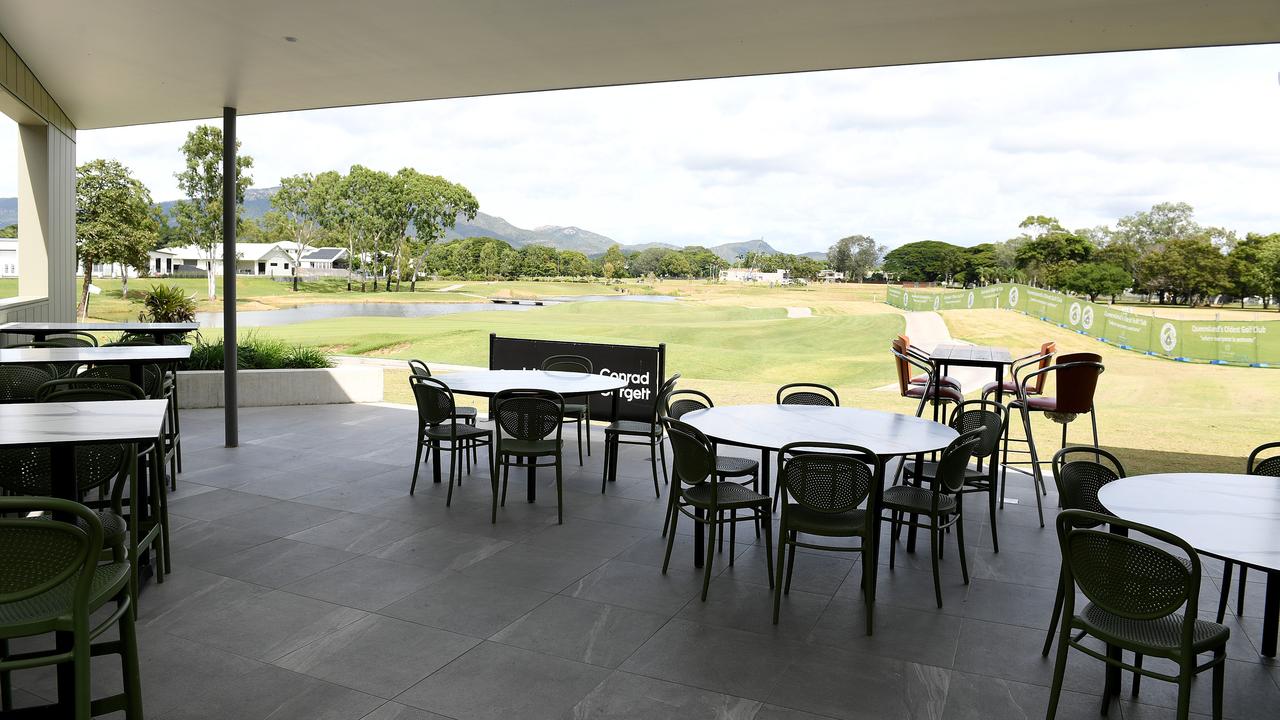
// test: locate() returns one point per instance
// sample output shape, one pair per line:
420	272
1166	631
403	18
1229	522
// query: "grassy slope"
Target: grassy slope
1162	415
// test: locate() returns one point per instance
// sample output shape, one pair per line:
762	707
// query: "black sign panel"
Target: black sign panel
643	368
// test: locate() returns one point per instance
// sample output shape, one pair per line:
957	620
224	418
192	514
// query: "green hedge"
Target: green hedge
257	353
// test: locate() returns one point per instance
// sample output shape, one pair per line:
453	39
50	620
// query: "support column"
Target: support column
229	354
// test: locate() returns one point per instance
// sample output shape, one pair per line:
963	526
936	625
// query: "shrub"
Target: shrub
257	353
167	304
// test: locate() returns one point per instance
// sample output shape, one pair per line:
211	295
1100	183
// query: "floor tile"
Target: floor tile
465	605
581	630
364	582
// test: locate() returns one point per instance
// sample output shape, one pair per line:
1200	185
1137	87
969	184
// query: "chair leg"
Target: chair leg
1004	464
587	422
1219	676
417	464
662	460
578	422
791	563
1112	687
671	511
559	490
609	450
893	537
673	518
129	667
1035	464
505	461
777	568
1185	675
1059	671
991	514
1058	600
1137	676
454	462
6	685
935	547
709	558
653	464
1226	589
733	535
493	482
964	565
768	548
81	660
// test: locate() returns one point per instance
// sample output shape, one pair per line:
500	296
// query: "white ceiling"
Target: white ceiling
123	62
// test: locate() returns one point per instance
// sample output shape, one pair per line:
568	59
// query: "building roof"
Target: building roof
122	63
245	251
324	254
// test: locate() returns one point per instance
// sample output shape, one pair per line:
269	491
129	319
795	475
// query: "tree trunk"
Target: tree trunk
83	310
124	282
295	277
213	283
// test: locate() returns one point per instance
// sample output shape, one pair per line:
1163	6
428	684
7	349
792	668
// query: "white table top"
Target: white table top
1236	517
117	354
54	423
491	382
146	328
773	426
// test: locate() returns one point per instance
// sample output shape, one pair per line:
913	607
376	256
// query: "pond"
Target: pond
327	311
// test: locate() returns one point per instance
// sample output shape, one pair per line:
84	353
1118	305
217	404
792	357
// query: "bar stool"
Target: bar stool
1075	383
1039	359
933	390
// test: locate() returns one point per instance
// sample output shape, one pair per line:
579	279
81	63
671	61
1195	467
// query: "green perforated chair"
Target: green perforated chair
462	413
639	432
702	496
529	428
18	383
579	413
1135	593
437	425
826	485
52	581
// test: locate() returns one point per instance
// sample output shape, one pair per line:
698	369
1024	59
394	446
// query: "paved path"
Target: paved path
799	312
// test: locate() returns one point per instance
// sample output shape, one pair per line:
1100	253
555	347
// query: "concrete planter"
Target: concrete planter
261	388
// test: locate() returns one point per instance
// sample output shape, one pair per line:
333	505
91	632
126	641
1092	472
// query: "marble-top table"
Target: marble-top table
42	330
134	356
1233	517
951	355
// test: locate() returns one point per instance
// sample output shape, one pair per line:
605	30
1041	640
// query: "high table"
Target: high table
771	427
42	330
1227	516
134	356
487	383
977	356
61	427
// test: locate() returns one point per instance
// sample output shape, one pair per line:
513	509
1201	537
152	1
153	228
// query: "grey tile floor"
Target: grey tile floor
309	584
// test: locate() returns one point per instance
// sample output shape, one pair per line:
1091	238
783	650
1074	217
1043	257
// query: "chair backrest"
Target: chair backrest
84	389
660	402
151	376
807	394
693	458
73	338
1267	466
680	402
1124	575
905	358
955	460
1041	361
19	383
828	477
985	415
417	367
1076	378
568	363
526	414
1079	472
38	554
434	400
29	470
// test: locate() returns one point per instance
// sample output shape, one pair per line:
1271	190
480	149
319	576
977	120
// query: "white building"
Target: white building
754	275
8	257
323	258
251	259
830	276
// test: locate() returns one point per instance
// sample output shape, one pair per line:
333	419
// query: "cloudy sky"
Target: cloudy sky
958	152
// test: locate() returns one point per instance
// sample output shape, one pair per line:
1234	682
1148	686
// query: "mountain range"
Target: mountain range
257	202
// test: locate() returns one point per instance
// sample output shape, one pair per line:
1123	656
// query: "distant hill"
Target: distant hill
257	202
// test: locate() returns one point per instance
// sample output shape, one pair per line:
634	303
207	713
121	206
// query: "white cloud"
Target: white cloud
958	152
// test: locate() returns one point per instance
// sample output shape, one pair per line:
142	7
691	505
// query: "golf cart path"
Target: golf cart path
799	312
927	330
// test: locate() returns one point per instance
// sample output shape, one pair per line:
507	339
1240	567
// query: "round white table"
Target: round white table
1228	516
487	383
771	427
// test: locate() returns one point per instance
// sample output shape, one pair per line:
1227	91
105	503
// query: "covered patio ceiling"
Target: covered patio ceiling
145	61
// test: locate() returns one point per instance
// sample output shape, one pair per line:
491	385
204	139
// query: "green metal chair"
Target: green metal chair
941	505
827	484
676	404
437	425
807	394
52	581
649	433
1269	467
73	338
703	497
465	413
18	383
577	412
529	425
73	389
1135	590
990	417
168	390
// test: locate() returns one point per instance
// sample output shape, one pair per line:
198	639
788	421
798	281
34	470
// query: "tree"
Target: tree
1189	269
674	264
300	209
538	261
9	231
573	264
703	262
114	221
1253	269
368	200
201	213
1050	250
855	256
646	261
1094	279
927	260
432	205
614	264
840	257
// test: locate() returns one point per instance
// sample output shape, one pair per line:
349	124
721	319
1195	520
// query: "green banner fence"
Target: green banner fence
1220	342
